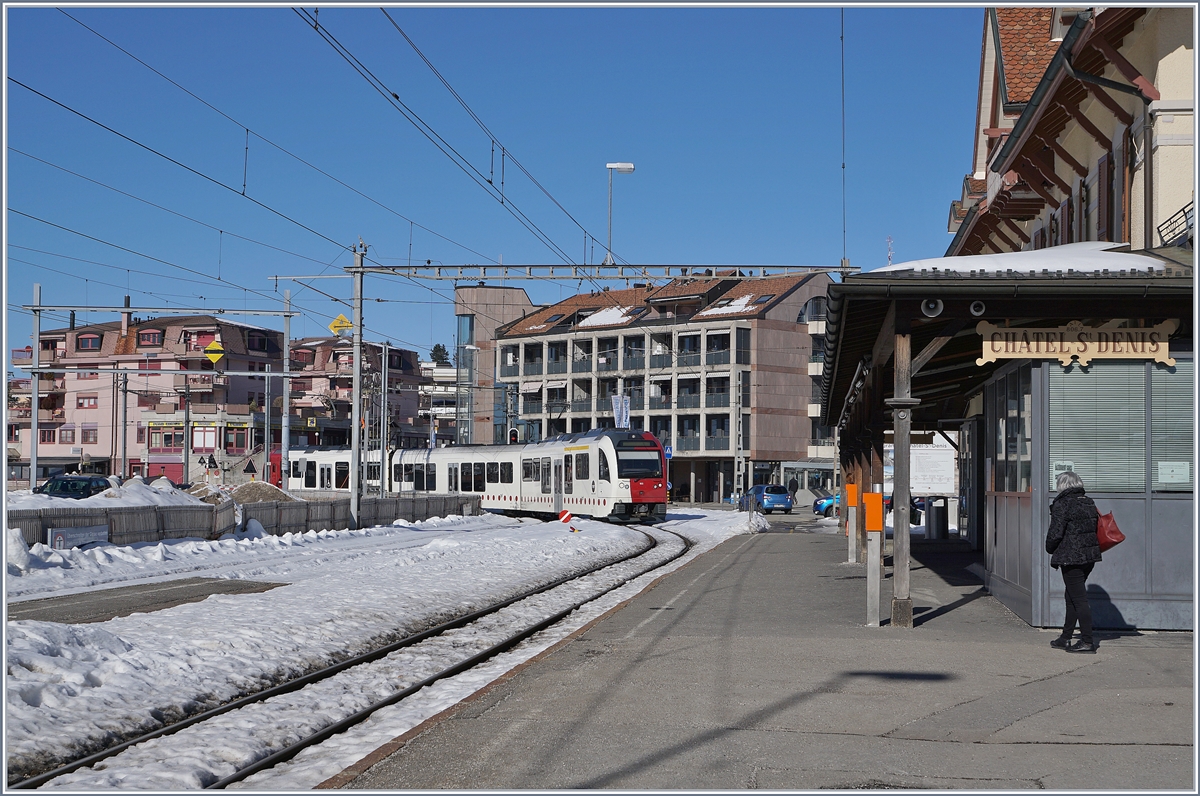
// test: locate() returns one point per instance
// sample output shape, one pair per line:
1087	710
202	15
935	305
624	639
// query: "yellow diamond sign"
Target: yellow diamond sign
340	324
214	351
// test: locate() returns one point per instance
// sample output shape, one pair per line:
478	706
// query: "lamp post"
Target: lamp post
620	168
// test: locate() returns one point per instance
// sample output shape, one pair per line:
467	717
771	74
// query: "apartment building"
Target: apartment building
723	371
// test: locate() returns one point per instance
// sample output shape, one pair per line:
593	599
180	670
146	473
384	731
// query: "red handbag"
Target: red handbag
1107	532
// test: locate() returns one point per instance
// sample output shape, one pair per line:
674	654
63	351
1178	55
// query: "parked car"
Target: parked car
826	506
767	498
74	486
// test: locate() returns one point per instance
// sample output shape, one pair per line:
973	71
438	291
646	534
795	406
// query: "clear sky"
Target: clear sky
731	116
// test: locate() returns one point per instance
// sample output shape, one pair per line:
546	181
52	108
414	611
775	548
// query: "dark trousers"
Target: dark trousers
1078	610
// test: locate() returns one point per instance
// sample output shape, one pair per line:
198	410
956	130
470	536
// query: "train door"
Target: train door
558	485
326	476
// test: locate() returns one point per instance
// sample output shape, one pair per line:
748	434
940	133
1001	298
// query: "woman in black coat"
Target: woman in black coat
1074	548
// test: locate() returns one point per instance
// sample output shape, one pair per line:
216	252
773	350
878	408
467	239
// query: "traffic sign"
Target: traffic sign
667	450
340	324
214	351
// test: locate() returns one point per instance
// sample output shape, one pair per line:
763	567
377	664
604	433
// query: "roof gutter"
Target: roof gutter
1024	124
963	229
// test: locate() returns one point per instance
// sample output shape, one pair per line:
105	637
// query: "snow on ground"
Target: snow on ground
134	492
69	685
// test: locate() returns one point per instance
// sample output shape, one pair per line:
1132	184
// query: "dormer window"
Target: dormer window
150	337
87	342
764	298
554	318
256	341
302	356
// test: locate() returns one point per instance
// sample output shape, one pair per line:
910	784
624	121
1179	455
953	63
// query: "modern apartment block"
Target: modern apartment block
724	371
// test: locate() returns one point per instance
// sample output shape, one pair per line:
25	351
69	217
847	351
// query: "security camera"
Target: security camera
978	308
931	308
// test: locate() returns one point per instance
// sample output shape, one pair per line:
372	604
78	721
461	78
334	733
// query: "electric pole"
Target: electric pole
355	403
285	459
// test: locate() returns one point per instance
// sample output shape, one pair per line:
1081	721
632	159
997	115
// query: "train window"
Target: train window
372	471
568	481
341	475
419	477
537	470
480	482
581	466
506	472
546	476
396	477
431	477
639	464
297	467
452	477
310	475
526	470
603	466
408	474
466	476
326	476
493	472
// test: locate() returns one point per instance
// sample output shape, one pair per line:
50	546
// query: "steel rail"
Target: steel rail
321	674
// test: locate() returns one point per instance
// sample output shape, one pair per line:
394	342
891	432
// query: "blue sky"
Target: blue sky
732	117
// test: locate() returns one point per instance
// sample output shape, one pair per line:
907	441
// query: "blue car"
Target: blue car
766	498
826	506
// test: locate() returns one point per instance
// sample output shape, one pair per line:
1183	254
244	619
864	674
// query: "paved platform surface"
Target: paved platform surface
752	668
103	604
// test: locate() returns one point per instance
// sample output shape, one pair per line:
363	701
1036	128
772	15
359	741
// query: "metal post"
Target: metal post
874	557
35	429
266	469
285	423
124	425
609	249
356	402
383	422
902	405
187	429
1148	178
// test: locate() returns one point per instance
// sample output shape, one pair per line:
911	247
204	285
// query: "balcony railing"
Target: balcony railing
581	405
604	405
660	402
687	443
688	400
556	366
717	357
507	371
556	407
582	365
20	412
51	414
716	443
1174	230
606	360
689	360
716	399
660	361
636	403
635	362
533	368
532	408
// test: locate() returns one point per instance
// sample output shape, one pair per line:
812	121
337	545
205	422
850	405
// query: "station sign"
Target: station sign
1076	341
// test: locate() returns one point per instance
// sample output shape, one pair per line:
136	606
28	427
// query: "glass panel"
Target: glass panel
1024	463
1171	427
1098	424
568	479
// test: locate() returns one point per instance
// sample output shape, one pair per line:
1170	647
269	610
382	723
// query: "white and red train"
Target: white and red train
619	476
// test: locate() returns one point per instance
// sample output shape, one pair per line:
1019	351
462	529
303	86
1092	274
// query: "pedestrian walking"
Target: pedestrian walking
793	488
1074	548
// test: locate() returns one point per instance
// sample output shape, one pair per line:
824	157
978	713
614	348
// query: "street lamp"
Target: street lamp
620	168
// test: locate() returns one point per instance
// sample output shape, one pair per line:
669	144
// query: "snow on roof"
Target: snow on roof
608	316
134	492
1085	256
739	304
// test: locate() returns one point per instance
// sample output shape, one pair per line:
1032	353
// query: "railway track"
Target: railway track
223	746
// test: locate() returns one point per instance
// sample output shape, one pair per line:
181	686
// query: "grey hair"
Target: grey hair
1067	480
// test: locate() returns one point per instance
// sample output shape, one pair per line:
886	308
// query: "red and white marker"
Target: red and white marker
565	516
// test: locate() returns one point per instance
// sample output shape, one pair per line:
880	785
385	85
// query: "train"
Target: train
605	474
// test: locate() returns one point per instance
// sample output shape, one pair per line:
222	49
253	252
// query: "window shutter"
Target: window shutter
1171	426
1098	424
1064	223
1104	180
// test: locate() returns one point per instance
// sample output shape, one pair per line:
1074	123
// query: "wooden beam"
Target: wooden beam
881	352
1062	152
944	336
1083	121
1104	98
1016	230
1047	168
1124	67
1007	242
1033	178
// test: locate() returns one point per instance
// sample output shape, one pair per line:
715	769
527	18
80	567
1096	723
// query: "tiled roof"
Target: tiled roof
1025	49
976	186
745	299
538	322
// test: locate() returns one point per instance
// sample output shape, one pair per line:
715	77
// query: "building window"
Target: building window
235	440
14	433
1171	427
256	341
87	374
743	346
87	342
141	435
149	364
66	435
150	337
89	436
46	436
86	401
1098	424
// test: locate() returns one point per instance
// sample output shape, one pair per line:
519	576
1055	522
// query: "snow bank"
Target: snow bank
134	492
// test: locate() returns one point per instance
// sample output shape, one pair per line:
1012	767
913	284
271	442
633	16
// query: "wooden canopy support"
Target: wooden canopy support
1104	98
1072	110
1034	179
944	336
1062	152
995	229
1124	67
1016	230
1047	168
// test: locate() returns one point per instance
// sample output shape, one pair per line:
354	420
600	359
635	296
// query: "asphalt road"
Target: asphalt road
105	604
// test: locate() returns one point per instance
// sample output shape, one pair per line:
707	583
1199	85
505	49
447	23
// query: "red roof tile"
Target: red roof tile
1025	49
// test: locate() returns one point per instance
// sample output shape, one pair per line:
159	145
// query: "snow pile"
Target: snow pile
134	492
16	552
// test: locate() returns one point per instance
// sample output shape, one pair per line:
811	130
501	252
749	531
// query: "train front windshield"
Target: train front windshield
639	464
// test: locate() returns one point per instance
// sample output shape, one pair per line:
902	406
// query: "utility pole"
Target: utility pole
902	407
187	429
266	469
124	425
35	411
356	402
285	463
383	422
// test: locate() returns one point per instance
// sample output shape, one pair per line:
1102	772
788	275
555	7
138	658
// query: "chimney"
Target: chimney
125	319
72	319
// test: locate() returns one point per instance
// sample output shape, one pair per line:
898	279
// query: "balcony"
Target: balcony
716	399
716	443
690	359
581	405
531	408
717	357
48	385
658	361
582	365
556	366
688	400
533	368
604	405
635	362
687	443
508	371
660	402
20	412
556	407
202	381
606	360
51	414
636	403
